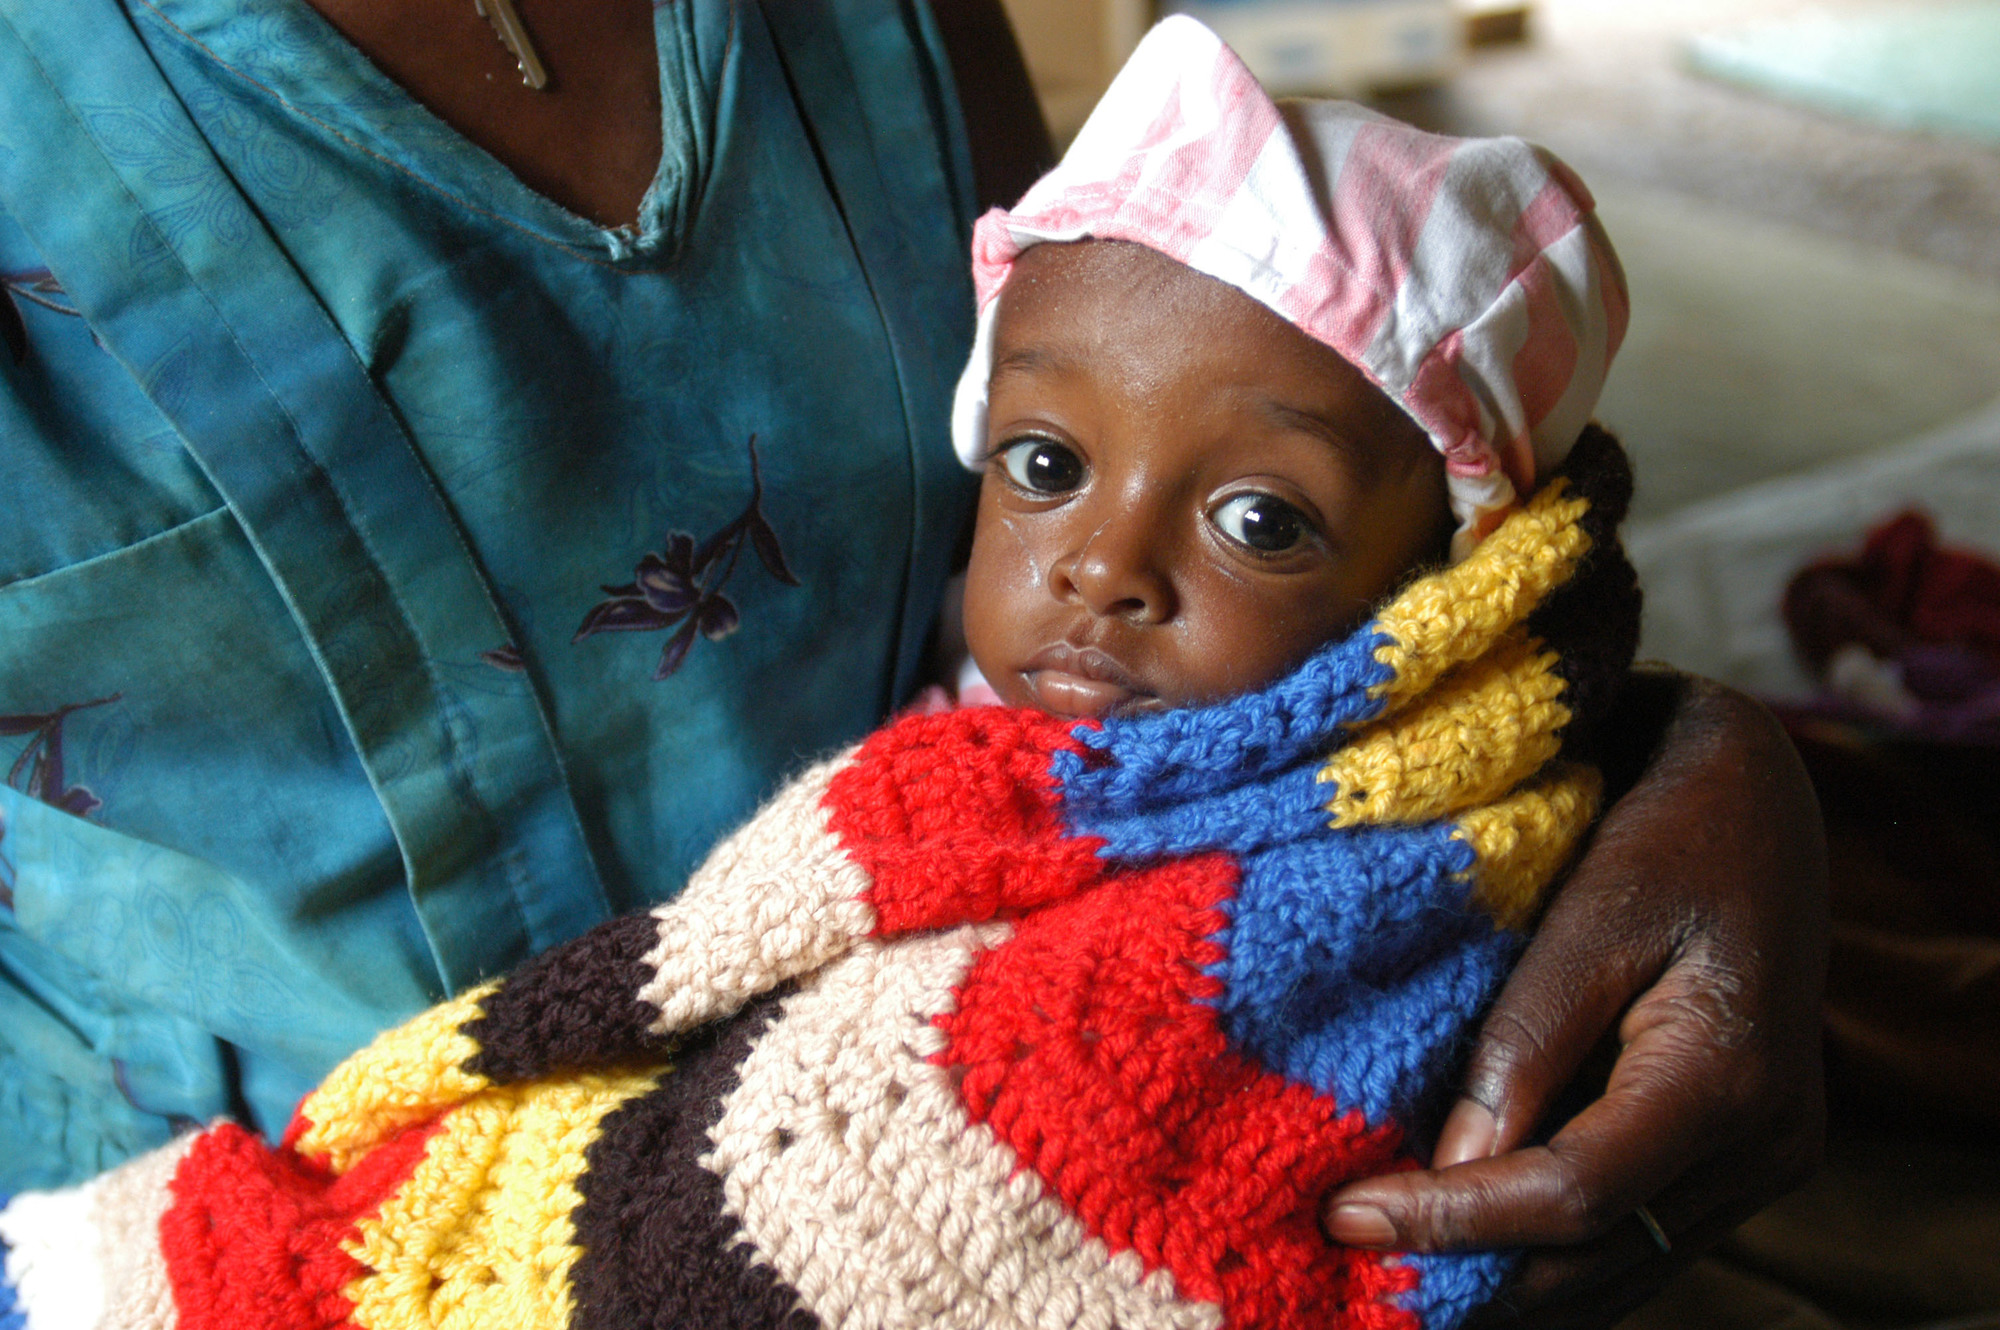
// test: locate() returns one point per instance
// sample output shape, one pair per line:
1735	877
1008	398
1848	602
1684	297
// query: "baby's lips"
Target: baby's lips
1083	681
1068	694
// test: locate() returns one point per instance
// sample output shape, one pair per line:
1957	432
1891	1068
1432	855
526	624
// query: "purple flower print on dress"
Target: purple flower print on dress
37	286
507	659
38	771
683	583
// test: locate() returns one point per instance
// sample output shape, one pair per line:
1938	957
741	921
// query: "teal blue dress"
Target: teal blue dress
399	574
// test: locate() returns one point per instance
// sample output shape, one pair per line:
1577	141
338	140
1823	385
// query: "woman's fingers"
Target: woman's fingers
1691	941
1713	863
1653	1123
1592	955
1685	1127
1593	1284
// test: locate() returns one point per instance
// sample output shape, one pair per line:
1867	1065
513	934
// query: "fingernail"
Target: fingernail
1469	1133
1361	1226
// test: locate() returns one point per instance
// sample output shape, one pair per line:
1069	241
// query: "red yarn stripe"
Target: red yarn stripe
955	816
1088	1045
253	1234
1087	1041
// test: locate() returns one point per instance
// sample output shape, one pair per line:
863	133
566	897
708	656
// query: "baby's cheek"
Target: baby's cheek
1004	587
1235	640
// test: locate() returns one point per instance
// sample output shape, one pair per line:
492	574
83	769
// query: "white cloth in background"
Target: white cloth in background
1715	571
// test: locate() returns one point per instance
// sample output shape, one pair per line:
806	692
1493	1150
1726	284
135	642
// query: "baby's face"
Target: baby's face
1184	495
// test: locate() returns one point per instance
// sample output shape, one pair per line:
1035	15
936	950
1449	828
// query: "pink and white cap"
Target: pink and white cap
1468	278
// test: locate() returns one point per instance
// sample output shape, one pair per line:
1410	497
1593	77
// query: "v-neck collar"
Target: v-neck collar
287	52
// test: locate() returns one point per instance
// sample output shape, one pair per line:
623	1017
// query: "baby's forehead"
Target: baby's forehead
1127	316
1097	265
1092	297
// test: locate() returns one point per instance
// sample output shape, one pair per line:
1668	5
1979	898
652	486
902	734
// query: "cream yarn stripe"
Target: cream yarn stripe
89	1256
850	1163
776	900
130	1201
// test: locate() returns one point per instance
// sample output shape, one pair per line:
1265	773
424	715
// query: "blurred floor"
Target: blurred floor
1603	83
1759	348
1805	288
1874	1242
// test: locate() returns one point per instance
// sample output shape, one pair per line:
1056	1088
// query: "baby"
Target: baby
1295	569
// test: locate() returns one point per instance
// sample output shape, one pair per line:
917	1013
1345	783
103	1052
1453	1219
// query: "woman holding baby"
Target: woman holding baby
415	557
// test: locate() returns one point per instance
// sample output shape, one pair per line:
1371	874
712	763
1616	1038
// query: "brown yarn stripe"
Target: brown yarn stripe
657	1251
575	1005
1591	621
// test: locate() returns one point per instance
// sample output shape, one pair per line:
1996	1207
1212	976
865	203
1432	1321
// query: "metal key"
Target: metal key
507	23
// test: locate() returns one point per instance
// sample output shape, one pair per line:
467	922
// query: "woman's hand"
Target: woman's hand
1694	931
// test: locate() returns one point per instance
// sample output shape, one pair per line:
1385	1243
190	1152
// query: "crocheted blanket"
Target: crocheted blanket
997	1019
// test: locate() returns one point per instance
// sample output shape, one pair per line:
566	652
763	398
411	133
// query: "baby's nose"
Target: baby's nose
1119	569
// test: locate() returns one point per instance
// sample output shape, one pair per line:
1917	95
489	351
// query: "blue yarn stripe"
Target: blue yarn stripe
1382	1055
1237	820
1452	1284
1357	962
1165	758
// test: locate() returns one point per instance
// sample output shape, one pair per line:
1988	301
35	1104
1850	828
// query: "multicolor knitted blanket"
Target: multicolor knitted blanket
995	1020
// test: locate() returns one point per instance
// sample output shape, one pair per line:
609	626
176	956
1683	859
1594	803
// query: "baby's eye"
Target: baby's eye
1042	466
1264	522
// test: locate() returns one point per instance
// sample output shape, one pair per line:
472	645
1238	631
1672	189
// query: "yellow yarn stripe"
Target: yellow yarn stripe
406	1075
1524	840
1481	732
480	1237
1456	615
